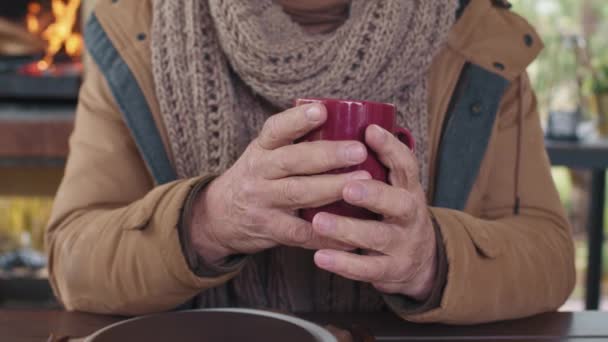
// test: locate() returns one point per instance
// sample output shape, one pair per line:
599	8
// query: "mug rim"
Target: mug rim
361	102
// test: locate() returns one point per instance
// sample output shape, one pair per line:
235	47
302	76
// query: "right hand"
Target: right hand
252	206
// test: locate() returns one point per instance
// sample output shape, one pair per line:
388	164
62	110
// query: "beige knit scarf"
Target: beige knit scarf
221	67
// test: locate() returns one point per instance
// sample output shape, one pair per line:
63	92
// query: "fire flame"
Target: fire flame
33	24
59	34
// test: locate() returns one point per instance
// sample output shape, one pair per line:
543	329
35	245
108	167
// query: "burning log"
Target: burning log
52	68
60	35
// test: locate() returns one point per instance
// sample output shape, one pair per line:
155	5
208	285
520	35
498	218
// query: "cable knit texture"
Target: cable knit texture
221	67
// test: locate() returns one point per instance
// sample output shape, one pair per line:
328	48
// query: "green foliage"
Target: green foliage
563	24
561	178
23	215
600	83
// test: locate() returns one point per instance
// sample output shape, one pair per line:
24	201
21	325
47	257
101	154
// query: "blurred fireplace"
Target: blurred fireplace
40	50
40	74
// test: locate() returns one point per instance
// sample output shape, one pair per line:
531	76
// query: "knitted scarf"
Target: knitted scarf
222	67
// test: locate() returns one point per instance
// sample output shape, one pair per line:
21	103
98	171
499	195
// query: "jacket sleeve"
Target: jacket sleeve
505	263
112	240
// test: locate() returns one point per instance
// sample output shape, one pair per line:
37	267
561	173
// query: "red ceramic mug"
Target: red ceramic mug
347	120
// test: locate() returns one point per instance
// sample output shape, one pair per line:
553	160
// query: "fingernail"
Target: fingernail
355	192
360	175
380	133
313	113
324	223
324	259
355	153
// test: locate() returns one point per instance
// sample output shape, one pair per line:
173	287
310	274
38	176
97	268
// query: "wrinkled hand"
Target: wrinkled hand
251	207
399	252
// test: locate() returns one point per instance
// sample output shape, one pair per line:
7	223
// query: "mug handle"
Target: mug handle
406	137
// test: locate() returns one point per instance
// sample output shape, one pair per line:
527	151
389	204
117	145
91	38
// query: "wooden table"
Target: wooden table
26	326
591	156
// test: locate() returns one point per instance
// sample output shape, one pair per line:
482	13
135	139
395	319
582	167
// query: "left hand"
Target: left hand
399	251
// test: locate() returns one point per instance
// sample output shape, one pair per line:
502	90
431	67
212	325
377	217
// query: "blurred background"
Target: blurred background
41	66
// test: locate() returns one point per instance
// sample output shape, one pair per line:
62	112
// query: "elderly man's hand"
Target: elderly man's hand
251	207
399	252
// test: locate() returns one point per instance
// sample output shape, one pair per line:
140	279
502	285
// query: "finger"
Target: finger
311	191
380	198
368	235
309	158
293	231
370	269
283	128
393	154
